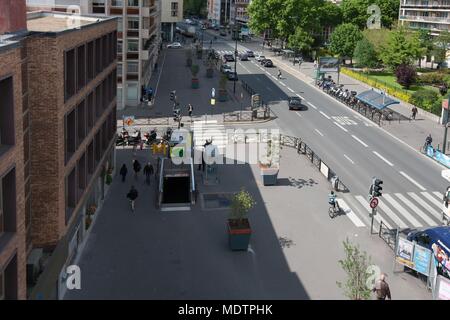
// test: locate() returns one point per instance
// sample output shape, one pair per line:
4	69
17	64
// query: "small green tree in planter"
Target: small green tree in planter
223	95
188	57
270	164
194	70
239	230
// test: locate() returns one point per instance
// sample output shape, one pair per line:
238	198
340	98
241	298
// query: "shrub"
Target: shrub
406	75
194	70
432	78
428	100
446	80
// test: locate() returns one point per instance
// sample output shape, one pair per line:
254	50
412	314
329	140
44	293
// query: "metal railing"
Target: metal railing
263	113
388	235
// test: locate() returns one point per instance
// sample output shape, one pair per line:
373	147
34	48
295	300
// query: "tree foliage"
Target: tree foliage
241	204
406	75
344	39
355	11
441	45
300	40
365	54
378	38
356	266
195	8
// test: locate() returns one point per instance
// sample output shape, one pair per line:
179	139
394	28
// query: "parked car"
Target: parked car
228	58
243	57
250	54
259	57
223	33
174	45
295	103
267	63
225	68
232	76
262	61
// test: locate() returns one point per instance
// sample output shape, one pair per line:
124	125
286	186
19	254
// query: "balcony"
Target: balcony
426	19
434	4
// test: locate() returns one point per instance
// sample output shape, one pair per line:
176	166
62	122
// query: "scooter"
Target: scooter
150	137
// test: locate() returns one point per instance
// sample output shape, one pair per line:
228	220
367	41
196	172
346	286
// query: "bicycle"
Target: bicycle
333	211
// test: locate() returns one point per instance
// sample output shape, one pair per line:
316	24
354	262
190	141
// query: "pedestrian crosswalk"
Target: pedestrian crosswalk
396	210
222	52
209	130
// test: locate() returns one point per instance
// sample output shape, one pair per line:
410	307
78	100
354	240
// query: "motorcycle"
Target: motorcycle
150	137
135	138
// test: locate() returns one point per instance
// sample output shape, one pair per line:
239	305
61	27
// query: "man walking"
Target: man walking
132	196
123	172
414	112
381	288
148	171
190	109
136	168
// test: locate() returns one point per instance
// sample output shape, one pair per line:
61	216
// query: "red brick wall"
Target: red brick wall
10	65
13	15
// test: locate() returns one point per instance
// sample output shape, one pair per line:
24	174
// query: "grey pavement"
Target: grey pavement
294	254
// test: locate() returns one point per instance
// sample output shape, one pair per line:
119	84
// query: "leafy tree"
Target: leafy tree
406	75
378	38
441	45
195	8
426	42
401	49
355	11
356	266
300	40
365	54
344	39
389	12
330	14
264	15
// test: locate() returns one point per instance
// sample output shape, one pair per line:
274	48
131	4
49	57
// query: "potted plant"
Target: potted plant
223	95
270	164
210	68
239	231
188	58
194	70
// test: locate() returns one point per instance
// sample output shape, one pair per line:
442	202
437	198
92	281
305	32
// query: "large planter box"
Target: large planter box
269	176
239	236
223	95
195	84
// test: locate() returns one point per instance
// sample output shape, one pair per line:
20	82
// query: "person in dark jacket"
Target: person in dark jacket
382	288
148	171
132	196
123	172
136	168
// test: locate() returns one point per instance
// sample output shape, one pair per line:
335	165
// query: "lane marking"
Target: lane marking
290	89
432	199
324	114
340	126
425	205
300	97
416	210
312	105
392	215
359	140
366	206
298	114
350	214
282	83
439	195
319	132
349	159
413	181
402	211
383	158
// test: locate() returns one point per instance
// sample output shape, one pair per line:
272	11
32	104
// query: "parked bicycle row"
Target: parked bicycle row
135	139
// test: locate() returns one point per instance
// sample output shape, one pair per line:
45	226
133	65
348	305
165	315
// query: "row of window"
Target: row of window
8	202
7	112
83	63
82	173
116	3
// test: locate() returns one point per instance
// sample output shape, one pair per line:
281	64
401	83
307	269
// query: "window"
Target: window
6	112
81	122
133	45
120	25
132	92
71	194
8	202
133	3
81	67
70	134
133	23
133	67
98	56
2	221
174	9
90	158
90	110
90	61
119	70
69	74
81	168
98	102
117	3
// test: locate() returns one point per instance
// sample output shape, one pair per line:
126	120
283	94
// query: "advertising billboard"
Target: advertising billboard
328	64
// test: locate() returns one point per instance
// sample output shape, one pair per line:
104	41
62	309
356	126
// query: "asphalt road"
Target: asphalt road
354	147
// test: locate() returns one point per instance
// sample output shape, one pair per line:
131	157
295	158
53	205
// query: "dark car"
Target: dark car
295	103
268	63
250	54
232	76
262	61
228	57
243	57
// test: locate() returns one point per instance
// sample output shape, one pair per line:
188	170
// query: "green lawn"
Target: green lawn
391	80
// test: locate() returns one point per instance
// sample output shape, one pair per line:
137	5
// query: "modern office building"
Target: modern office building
432	15
139	38
241	11
171	13
58	75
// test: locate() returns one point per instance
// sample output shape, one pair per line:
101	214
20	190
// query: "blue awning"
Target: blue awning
375	99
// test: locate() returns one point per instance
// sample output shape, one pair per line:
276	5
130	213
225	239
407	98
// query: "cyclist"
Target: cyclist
279	74
428	142
332	199
132	196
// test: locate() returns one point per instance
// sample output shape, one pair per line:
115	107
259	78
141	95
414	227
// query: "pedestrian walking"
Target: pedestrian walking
136	168
190	109
132	196
315	64
414	112
279	74
148	171
123	172
381	288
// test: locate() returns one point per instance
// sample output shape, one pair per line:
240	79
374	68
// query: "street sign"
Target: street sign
213	102
256	100
242	95
128	120
374	203
213	92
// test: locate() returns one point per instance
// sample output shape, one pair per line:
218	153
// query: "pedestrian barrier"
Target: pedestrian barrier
388	235
262	113
160	121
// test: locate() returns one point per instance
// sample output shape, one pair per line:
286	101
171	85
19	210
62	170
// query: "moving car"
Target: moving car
225	68
295	103
232	76
259	57
243	57
174	45
267	63
250	54
228	58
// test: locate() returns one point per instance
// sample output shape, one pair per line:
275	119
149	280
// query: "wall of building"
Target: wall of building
166	11
12	16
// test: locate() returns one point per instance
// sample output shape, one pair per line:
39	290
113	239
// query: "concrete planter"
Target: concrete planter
239	234
195	84
269	175
223	95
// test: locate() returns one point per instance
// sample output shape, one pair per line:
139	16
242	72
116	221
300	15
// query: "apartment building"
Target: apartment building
221	12
241	11
171	13
432	15
139	38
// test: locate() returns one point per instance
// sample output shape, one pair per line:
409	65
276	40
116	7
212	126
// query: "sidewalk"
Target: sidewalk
412	132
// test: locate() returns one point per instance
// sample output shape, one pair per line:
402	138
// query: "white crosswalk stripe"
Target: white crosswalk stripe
365	204
416	210
425	205
210	130
432	199
402	210
350	214
399	222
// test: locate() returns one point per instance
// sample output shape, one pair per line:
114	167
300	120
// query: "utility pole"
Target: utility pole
235	49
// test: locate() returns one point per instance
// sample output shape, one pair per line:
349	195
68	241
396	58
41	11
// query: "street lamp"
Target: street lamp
235	50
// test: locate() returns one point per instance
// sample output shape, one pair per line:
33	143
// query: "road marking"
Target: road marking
439	195
282	84
246	69
350	214
319	132
413	181
275	78
340	126
392	215
432	199
359	140
268	88
366	206
425	205
416	210
324	114
349	159
290	89
312	105
160	73
402	210
383	158
298	114
299	96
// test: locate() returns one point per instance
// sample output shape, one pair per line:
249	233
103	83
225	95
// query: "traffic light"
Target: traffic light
172	95
176	114
377	187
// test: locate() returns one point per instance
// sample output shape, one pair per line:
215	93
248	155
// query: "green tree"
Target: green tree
355	11
330	14
344	39
441	45
195	8
300	41
378	38
264	15
365	54
401	48
426	42
356	265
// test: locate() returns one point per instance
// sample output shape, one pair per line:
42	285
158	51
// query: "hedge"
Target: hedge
431	78
428	100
